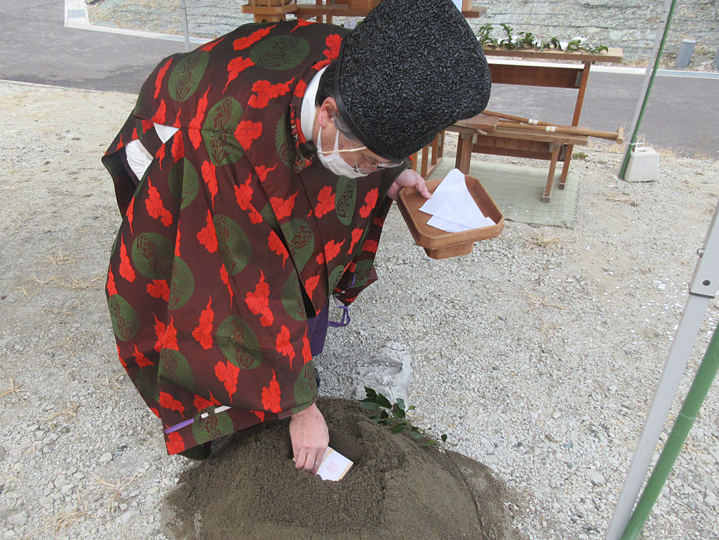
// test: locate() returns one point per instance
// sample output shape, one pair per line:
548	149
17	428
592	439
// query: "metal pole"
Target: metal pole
652	66
702	288
693	403
183	8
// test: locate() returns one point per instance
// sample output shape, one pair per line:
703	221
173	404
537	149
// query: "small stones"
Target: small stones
18	520
105	458
46	502
711	500
127	516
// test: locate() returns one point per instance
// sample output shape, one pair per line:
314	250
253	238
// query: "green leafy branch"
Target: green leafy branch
526	40
394	417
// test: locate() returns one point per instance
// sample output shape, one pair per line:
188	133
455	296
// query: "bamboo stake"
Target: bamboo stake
570	130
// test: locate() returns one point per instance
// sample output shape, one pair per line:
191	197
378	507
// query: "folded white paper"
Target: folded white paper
452	206
334	466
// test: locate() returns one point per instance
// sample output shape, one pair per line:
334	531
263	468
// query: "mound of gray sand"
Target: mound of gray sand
396	489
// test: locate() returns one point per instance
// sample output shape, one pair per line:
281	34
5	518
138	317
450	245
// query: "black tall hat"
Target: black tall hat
409	70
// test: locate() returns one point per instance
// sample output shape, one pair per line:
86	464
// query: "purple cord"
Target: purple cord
344	321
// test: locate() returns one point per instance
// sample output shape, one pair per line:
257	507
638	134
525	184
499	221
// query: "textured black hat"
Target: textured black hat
409	70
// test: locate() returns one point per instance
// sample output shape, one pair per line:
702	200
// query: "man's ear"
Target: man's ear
327	111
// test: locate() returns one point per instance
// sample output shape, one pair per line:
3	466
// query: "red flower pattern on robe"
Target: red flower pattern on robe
283	344
320	258
126	269
283	207
332	249
263	171
120	144
134	134
178	146
160	155
333	43
207	235
248	131
325	201
228	373
201	403
159	332
177	241
226	280
260	415
356	235
160	76
243	194
154	205
196	123
159	117
265	91
177	121
175	444
254	37
211	45
235	67
258	302
311	285
378	221
146	124
159	289
168	402
300	24
276	245
111	289
370	201
119	356
209	175
370	246
140	359
300	88
306	349
169	339
203	331
271	395
129	214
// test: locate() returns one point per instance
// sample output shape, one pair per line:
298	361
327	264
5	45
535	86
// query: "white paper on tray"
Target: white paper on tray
452	206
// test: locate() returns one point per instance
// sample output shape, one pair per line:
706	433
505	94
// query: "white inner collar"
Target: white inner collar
308	107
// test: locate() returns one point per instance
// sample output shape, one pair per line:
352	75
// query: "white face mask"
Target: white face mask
334	161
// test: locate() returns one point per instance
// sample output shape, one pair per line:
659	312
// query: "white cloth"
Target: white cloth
137	155
309	109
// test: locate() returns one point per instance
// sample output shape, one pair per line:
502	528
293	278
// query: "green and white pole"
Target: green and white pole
702	288
689	412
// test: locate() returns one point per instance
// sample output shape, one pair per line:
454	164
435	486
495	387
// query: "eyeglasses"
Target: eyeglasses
367	167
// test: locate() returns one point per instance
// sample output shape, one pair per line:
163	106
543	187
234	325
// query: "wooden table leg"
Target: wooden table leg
547	196
425	161
464	152
565	167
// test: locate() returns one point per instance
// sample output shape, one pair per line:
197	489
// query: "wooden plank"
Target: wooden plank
540	75
481	122
523	134
613	56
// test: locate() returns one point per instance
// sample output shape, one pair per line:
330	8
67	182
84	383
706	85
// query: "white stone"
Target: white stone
711	500
105	458
18	520
61	481
127	516
66	489
46	502
597	478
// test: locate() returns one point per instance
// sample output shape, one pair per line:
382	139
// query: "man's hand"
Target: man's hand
310	438
412	178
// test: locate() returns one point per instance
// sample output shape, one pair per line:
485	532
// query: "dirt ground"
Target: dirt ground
537	354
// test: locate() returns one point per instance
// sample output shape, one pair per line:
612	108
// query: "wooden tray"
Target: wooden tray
440	244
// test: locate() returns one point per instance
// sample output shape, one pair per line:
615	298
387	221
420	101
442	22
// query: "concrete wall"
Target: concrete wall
629	24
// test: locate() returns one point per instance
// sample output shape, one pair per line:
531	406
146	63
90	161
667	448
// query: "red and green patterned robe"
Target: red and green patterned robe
235	235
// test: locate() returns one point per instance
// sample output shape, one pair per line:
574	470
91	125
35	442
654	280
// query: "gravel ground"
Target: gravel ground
537	354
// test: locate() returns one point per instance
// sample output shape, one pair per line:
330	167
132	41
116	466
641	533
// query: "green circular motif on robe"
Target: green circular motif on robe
211	427
187	74
153	255
234	246
305	385
268	214
292	298
182	285
174	367
346	199
335	277
125	321
301	241
280	53
183	182
145	380
218	132
283	143
238	343
362	273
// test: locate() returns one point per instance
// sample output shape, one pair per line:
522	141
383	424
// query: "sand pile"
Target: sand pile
396	489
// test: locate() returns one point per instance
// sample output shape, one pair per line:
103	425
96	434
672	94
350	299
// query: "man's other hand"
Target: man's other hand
310	438
412	178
